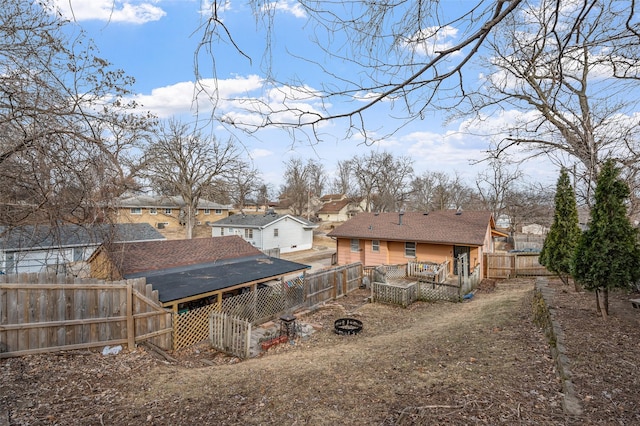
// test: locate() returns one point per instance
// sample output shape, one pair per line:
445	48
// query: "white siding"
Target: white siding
291	236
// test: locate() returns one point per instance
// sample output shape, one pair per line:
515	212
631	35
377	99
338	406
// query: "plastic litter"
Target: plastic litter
108	350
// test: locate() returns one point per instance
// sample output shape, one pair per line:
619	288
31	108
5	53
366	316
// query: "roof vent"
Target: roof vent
400	214
459	211
425	214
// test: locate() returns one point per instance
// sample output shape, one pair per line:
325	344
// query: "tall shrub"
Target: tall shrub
561	241
608	253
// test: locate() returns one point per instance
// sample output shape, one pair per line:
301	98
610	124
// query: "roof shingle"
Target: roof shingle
131	258
439	227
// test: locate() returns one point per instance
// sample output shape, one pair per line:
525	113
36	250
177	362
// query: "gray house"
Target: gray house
268	231
64	248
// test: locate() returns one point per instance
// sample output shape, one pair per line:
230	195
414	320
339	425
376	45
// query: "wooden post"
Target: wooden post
344	281
131	335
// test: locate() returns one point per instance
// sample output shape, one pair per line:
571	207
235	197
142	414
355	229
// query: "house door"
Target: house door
457	251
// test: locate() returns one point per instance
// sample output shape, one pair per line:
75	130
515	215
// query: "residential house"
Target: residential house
64	248
268	231
196	272
167	213
340	209
396	238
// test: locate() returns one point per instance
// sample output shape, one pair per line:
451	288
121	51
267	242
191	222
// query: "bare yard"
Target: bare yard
478	362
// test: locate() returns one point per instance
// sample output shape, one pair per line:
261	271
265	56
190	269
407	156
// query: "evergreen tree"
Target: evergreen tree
562	239
608	253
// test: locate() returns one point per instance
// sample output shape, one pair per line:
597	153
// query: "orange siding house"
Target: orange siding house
397	238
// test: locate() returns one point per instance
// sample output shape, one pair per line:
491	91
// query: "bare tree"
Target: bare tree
243	182
572	73
185	162
439	191
495	184
398	51
382	180
341	183
66	130
302	182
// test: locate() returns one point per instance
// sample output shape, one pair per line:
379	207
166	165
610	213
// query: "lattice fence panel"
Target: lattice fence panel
395	271
269	302
393	294
431	292
294	293
191	327
241	306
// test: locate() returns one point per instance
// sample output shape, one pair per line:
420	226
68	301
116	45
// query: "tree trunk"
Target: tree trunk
564	279
602	302
605	294
576	286
597	301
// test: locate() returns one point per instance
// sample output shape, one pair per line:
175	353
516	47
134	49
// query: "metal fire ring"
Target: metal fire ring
347	326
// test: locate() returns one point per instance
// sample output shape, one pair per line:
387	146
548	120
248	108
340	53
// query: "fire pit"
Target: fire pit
347	326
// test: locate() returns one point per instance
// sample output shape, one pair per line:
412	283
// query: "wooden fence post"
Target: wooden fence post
131	334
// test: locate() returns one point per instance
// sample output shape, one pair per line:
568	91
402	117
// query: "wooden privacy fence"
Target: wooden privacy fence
44	313
229	334
513	265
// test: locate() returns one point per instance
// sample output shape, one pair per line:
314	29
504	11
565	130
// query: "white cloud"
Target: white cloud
260	153
133	11
431	41
287	6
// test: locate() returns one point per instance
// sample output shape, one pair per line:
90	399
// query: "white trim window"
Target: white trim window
275	232
153	210
135	210
207	211
248	233
410	249
375	245
355	245
218	211
222	231
168	211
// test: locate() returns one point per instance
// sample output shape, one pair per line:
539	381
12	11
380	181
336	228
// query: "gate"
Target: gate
231	335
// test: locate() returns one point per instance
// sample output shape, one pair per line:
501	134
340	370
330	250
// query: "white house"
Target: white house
64	248
268	231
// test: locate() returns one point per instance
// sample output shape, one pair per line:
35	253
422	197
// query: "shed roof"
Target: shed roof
131	258
38	237
180	283
437	227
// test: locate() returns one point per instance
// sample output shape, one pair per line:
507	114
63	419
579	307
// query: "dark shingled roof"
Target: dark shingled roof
437	227
37	237
179	283
258	220
131	258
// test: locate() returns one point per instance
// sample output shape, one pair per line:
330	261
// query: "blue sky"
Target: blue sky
155	40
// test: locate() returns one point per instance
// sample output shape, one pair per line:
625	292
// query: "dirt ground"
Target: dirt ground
483	361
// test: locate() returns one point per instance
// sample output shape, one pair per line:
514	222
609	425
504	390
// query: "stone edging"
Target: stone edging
547	319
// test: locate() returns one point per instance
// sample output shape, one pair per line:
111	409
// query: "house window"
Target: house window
78	254
167	211
355	245
248	233
136	210
222	232
207	211
275	232
375	245
153	210
410	249
218	211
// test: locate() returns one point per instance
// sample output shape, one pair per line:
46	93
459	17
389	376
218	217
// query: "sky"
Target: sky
155	42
